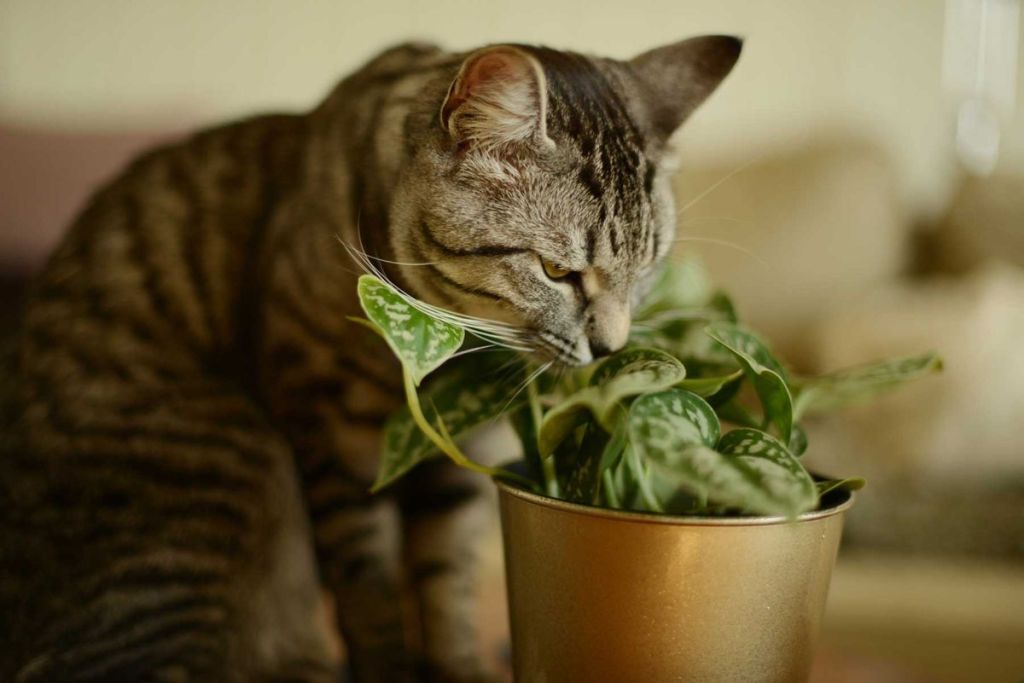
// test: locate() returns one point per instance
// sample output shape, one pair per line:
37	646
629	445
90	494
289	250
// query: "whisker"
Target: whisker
384	260
529	379
495	332
723	243
505	372
474	349
689	220
716	185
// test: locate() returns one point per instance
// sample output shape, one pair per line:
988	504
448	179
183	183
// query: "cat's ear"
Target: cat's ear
497	100
677	78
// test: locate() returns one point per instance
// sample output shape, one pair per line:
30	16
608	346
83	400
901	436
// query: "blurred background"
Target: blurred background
857	184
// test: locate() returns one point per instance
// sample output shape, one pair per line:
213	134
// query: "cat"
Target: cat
193	424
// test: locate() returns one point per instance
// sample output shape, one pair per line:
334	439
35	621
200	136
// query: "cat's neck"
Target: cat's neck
359	145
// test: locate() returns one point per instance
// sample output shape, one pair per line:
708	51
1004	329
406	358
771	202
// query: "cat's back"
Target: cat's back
127	320
167	238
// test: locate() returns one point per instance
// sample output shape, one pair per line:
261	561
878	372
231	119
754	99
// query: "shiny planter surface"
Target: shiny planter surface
601	595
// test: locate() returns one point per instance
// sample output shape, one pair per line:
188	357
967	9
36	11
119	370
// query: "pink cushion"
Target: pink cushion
46	177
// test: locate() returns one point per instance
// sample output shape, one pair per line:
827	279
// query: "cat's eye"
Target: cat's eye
553	271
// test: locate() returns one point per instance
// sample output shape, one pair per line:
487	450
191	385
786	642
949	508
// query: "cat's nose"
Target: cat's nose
608	330
599	349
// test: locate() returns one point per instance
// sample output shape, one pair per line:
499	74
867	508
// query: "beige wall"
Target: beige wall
869	68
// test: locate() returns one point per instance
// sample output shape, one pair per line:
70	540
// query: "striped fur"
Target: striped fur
193	423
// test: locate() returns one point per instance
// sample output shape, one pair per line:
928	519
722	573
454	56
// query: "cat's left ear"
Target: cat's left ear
677	78
497	100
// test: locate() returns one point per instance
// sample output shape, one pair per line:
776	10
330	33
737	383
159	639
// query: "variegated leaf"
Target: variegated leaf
837	389
421	342
627	373
780	473
765	373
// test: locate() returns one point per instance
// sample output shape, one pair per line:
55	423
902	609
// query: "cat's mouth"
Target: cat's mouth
561	351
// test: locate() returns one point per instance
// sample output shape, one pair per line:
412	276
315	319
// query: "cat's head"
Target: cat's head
538	190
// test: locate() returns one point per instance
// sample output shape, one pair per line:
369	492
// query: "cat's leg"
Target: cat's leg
333	420
446	511
329	385
167	532
358	548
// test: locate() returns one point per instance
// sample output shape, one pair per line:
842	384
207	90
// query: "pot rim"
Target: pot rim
844	503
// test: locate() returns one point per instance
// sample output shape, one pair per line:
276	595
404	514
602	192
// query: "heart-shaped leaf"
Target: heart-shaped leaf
634	370
765	373
714	479
460	399
675	407
671	436
780	473
421	342
627	373
837	389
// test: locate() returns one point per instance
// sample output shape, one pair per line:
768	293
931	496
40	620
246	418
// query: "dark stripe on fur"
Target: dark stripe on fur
465	289
486	250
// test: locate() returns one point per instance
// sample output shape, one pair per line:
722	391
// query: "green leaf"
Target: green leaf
614	447
765	373
583	469
639	478
619	483
722	304
848	484
852	385
673	415
634	369
687	411
678	307
706	474
460	399
682	284
735	412
780	473
709	386
798	441
671	433
422	343
526	429
627	373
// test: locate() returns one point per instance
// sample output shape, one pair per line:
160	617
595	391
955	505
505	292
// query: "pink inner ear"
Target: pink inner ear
494	101
487	71
484	71
489	67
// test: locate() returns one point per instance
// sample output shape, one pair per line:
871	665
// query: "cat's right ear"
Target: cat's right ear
677	78
498	100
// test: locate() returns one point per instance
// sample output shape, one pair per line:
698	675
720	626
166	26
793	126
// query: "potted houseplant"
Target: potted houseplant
661	525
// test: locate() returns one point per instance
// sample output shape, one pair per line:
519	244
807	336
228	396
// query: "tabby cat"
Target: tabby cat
194	422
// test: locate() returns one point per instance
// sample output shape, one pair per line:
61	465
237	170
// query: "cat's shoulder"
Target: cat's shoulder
256	140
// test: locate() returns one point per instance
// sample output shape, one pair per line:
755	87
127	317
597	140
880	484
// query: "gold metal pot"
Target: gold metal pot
602	595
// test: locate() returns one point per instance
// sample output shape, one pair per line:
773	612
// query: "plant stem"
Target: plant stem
609	490
445	443
650	500
550	477
547	464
